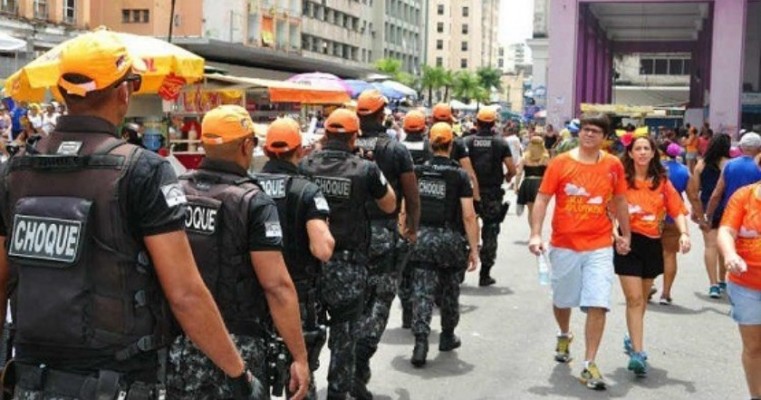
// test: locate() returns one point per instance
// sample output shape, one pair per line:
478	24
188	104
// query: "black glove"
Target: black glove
247	387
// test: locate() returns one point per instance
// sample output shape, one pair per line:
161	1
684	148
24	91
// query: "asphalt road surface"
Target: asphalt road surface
508	336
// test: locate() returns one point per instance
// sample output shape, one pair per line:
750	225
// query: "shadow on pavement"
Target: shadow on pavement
656	378
705	297
398	336
485	291
680	310
563	382
521	242
440	365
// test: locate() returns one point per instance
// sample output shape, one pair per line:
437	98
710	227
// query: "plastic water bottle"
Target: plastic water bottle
544	269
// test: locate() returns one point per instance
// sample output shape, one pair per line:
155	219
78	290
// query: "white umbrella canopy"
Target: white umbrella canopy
401	88
10	43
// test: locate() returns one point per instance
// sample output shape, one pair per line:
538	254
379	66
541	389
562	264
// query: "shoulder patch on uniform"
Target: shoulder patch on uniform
69	148
273	230
321	204
173	194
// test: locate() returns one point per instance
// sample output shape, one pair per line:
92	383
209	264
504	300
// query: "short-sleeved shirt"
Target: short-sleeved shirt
394	160
582	193
489	176
516	151
649	207
263	232
376	180
738	173
679	176
743	214
315	205
149	212
459	150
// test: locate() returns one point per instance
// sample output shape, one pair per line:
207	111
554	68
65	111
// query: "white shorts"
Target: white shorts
582	279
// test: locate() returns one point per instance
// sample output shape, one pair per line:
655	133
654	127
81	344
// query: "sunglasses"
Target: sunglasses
135	81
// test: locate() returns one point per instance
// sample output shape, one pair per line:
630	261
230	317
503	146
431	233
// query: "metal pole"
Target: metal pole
171	21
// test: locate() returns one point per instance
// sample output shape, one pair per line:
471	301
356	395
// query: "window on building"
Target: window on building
69	11
661	66
439	44
664	66
465	11
646	66
440	27
464	29
464	63
439	62
133	16
40	9
501	63
501	51
464	46
440	9
306	8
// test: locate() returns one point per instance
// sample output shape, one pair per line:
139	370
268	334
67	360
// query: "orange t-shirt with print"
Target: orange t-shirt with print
648	207
582	193
743	214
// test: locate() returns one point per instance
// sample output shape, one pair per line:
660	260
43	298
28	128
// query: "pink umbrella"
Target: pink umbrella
321	80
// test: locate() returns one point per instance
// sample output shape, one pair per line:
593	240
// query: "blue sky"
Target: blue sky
516	19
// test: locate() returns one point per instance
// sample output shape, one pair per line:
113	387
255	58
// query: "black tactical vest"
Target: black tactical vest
419	150
379	149
342	178
486	161
288	193
439	200
217	226
86	293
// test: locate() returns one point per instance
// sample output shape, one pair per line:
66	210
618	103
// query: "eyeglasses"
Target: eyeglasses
592	130
135	81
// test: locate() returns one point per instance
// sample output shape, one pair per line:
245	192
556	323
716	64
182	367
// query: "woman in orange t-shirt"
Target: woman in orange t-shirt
740	244
691	148
650	196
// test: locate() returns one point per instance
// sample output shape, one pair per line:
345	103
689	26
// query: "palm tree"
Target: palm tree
432	79
447	81
490	78
466	85
389	66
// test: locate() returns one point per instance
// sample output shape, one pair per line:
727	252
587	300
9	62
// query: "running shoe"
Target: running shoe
563	348
665	301
723	286
714	292
638	364
592	377
628	347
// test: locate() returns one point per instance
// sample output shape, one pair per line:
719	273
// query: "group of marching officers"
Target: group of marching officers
126	282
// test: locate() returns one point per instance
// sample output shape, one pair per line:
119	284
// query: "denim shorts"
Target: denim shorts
582	278
746	304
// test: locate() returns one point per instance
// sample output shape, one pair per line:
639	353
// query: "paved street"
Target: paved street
508	336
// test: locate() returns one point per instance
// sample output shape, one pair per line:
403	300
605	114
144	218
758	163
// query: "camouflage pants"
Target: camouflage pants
342	288
405	288
491	209
23	394
426	279
190	374
382	284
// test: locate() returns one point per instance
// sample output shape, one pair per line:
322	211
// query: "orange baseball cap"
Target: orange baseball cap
370	101
283	135
225	124
414	122
342	121
442	112
441	132
487	114
101	56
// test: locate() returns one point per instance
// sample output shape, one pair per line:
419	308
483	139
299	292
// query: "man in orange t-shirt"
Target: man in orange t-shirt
587	183
740	243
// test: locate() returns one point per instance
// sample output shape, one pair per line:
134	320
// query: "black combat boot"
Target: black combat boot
360	392
420	351
486	279
448	341
406	317
336	396
362	356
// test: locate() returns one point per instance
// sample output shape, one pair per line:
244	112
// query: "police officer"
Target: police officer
448	239
396	164
489	153
303	212
442	112
236	238
96	249
348	182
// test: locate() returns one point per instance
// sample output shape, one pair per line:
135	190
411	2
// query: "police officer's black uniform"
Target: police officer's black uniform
229	216
298	202
419	148
348	183
90	314
440	252
487	152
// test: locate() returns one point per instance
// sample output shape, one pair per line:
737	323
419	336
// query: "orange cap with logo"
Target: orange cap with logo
414	122
442	112
283	135
441	133
342	121
487	114
225	124
370	101
100	56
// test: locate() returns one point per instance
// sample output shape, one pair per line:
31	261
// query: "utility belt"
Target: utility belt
105	385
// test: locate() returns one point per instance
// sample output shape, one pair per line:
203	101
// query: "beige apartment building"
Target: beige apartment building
462	34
